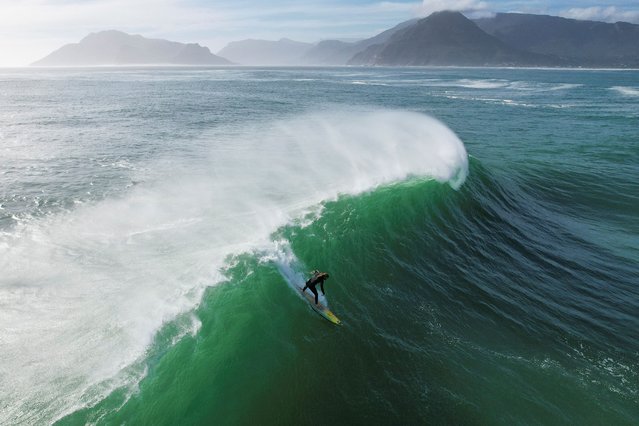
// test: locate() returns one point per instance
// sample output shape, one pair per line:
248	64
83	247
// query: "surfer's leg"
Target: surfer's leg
314	292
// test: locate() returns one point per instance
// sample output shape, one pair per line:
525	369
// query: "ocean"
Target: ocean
480	228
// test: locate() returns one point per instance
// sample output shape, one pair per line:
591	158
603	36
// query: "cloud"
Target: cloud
597	13
55	16
471	8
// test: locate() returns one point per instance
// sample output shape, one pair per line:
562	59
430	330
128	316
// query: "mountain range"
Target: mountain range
443	38
266	52
581	43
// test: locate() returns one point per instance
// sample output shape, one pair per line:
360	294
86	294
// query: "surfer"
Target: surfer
317	278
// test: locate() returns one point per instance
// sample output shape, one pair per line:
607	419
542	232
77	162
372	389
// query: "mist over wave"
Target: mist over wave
83	291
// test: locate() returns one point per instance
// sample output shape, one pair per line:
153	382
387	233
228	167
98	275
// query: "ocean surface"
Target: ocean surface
480	228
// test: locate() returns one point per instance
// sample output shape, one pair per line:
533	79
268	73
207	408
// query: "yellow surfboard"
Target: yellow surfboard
319	308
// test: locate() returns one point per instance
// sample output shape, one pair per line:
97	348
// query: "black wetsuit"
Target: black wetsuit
313	281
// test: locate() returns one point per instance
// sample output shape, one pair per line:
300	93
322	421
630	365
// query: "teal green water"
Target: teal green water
512	299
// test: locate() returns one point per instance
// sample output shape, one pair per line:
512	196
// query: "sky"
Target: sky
31	29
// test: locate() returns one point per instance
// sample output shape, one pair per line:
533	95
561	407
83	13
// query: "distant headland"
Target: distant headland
440	39
118	48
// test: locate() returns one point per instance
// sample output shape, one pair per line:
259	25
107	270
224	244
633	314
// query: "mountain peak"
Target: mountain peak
446	38
107	35
446	14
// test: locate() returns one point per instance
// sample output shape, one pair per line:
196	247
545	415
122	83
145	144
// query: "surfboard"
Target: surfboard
319	308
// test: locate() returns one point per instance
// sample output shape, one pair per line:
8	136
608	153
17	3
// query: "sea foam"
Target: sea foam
626	91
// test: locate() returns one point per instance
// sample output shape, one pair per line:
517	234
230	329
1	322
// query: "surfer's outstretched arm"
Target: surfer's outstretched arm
322	287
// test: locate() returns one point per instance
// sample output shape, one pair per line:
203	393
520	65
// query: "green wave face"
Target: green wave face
428	283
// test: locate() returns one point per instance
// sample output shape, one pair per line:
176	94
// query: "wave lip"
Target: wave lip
354	152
